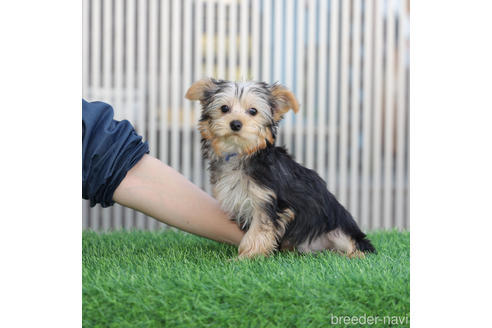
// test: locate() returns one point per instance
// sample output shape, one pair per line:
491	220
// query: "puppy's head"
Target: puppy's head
240	117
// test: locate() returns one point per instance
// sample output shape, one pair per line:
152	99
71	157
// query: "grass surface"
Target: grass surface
157	279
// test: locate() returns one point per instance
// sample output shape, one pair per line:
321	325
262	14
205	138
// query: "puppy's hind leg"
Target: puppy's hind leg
343	243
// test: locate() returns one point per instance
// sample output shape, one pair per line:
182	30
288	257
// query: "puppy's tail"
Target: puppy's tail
364	245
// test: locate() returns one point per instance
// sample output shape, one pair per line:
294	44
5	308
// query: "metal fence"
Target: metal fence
346	61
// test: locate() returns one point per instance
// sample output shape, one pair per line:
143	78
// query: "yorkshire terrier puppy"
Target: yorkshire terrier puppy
279	203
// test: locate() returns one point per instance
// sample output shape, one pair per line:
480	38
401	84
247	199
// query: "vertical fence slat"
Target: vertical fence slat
311	81
164	82
376	128
209	43
86	59
244	37
401	115
142	87
152	133
120	109
277	41
300	78
152	88
277	55
85	47
344	101
142	71
96	78
209	61
367	111
85	215
197	158
355	110
266	48
130	83
175	84
118	61
232	37
106	87
321	88
255	40
107	49
221	38
187	62
289	70
130	60
333	94
389	114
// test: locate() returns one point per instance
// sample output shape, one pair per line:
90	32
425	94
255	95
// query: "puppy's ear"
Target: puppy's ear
284	100
197	89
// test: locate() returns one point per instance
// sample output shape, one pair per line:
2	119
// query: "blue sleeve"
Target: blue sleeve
109	150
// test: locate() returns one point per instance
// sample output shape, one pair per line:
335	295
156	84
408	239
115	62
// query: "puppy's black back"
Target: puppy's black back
303	191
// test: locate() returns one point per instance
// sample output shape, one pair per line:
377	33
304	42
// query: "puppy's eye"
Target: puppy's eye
224	108
252	111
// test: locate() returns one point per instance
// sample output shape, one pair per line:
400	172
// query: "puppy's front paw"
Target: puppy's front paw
247	252
259	240
253	248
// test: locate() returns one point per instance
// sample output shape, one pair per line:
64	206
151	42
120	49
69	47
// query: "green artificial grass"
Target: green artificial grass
173	279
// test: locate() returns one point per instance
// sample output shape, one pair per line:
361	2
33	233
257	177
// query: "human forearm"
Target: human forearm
160	191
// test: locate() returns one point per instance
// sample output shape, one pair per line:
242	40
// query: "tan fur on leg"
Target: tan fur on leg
344	244
335	240
260	238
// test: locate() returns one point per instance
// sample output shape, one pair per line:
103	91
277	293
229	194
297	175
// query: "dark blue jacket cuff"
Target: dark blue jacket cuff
109	150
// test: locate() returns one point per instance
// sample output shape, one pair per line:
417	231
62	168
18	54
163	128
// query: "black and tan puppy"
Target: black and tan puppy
280	203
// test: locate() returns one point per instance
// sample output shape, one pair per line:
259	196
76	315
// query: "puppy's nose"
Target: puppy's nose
236	125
